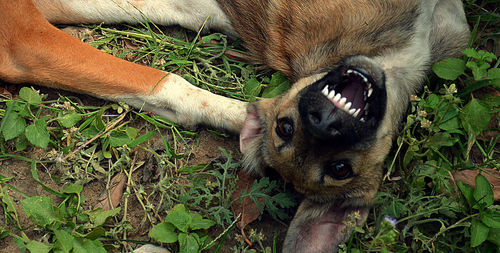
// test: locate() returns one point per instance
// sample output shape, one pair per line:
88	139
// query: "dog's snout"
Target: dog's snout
323	123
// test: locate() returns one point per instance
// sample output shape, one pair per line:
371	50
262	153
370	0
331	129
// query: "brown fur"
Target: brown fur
301	37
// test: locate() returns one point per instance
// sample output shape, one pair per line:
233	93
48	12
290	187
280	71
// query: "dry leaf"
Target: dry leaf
468	177
246	207
111	200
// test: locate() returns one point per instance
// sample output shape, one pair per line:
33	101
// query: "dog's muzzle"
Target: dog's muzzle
347	104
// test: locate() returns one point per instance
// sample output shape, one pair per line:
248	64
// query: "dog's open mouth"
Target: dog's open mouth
353	94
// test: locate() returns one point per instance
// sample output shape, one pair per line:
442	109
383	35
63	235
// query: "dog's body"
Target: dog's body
354	64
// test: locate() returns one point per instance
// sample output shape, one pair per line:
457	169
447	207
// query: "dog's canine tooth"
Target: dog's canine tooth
356	113
370	91
337	98
325	91
352	111
331	95
342	102
347	106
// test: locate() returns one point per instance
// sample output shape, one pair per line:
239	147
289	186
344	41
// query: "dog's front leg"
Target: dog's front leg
34	51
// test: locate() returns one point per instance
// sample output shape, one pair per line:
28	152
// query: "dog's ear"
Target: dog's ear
318	228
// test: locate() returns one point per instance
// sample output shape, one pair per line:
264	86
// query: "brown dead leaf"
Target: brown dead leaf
248	210
111	200
5	93
131	45
234	55
237	56
468	177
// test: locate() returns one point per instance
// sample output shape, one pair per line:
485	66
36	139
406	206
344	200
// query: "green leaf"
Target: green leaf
478	233
90	132
279	84
39	210
475	117
432	101
479	71
199	223
163	232
72	188
145	137
192	169
38	247
3	232
13	125
95	233
252	88
30	96
179	217
81	245
491	218
64	240
449	69
483	193
131	132
188	244
37	134
494	236
69	120
440	139
99	216
494	73
467	192
21	142
118	139
471	53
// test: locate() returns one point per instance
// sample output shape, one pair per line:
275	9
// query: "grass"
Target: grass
56	151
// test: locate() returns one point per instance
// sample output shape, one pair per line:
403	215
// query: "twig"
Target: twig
109	127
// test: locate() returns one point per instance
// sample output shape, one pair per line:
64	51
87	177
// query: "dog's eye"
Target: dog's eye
284	129
340	170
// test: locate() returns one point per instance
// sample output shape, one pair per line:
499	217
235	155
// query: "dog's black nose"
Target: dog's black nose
324	122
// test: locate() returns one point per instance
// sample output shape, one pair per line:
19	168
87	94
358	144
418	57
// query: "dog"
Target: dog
354	65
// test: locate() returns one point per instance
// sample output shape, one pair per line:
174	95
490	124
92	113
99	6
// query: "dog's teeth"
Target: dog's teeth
325	91
356	113
342	102
331	95
365	80
370	91
362	120
349	71
366	107
352	111
337	98
347	106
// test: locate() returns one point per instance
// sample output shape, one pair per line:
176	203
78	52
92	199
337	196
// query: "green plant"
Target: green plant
185	228
69	228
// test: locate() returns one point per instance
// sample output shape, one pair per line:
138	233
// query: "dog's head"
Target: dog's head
322	136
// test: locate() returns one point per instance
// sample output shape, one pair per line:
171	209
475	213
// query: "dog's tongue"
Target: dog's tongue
309	233
251	128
